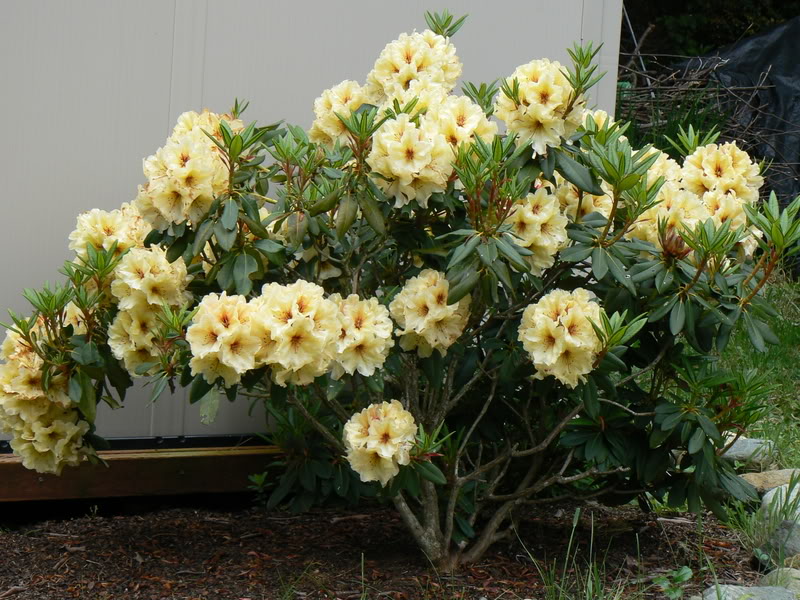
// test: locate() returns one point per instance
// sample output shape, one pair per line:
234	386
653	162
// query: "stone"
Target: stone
768	480
787	578
751	451
785	540
740	592
786	503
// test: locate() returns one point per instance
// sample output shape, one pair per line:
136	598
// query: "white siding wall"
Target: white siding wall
90	87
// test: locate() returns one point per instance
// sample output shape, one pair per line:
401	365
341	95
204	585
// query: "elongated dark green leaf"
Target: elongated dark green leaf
463	251
230	214
244	266
463	287
201	236
430	472
200	387
618	272
225	238
372	213
599	263
696	441
158	388
177	248
268	246
346	215
677	317
576	253
513	254
576	173
325	203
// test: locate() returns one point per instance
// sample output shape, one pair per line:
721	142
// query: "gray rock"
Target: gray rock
739	592
782	503
751	451
785	540
788	578
768	480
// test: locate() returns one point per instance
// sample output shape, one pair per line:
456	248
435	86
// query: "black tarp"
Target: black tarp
774	112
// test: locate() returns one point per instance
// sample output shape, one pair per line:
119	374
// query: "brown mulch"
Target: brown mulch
236	552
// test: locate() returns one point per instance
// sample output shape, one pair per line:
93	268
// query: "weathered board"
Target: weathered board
138	473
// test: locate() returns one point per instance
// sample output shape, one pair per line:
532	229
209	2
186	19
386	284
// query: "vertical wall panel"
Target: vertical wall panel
85	95
90	87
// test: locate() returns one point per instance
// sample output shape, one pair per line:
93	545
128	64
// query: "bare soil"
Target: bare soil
225	549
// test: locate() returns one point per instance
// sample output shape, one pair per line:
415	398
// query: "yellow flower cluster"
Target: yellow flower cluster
426	321
546	111
366	336
558	335
101	228
725	169
145	276
47	432
379	439
413	158
342	99
424	57
298	329
144	281
540	227
185	175
416	160
291	328
715	182
223	339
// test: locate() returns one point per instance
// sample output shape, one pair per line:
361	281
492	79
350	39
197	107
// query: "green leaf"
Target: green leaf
346	215
159	387
464	526
599	263
236	147
177	248
87	355
202	236
513	252
709	428
618	272
576	253
372	213
576	173
325	203
463	251
243	267
677	317
225	238
268	247
82	393
590	399
463	287
200	388
230	214
430	472
696	441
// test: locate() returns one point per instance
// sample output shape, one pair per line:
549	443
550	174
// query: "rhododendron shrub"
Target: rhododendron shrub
481	302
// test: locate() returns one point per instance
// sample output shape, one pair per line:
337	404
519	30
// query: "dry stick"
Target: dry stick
553	434
451	503
625	408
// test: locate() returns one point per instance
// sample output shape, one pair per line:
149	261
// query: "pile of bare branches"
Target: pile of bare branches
658	92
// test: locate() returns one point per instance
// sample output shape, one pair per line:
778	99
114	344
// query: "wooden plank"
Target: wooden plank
139	473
